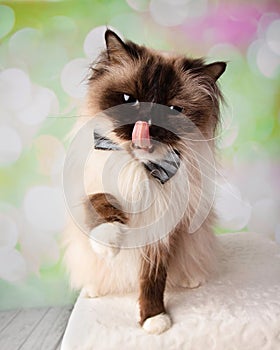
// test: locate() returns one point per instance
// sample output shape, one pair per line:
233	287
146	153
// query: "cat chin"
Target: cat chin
143	155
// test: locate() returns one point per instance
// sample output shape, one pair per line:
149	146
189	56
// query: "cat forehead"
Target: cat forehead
155	67
160	76
145	73
163	59
150	79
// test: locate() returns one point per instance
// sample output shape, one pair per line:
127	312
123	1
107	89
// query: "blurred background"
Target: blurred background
45	50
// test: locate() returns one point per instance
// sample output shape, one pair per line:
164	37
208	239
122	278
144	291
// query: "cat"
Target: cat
148	177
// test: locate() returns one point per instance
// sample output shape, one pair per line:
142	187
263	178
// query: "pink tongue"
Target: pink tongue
141	135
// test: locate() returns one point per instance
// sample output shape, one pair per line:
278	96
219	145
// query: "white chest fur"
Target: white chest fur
153	209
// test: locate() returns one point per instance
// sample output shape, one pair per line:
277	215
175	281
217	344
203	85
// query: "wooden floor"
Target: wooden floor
33	329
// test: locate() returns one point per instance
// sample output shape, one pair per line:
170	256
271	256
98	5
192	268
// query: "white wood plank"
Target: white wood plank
6	317
49	332
58	329
13	336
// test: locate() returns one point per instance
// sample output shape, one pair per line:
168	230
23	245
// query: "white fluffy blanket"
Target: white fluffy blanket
238	309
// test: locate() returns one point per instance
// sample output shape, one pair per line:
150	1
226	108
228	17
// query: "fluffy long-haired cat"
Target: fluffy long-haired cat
146	215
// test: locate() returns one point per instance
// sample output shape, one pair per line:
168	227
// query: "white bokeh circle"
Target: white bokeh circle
94	41
39	248
43	102
169	13
25	46
15	89
73	77
8	232
265	216
232	210
50	153
273	36
12	265
267	61
10	145
44	208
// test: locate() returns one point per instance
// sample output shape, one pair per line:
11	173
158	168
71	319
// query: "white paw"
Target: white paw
106	238
89	292
103	250
192	283
157	324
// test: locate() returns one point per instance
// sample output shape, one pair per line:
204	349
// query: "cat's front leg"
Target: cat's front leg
108	224
153	317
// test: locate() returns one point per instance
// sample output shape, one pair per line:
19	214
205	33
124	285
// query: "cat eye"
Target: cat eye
130	99
176	108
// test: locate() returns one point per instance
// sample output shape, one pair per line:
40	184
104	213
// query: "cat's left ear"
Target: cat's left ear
114	43
215	70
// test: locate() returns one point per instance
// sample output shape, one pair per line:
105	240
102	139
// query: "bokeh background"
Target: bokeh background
45	50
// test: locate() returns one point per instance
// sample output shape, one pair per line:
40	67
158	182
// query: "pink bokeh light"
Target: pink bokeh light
234	23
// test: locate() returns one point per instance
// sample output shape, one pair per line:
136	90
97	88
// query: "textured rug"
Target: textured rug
238	309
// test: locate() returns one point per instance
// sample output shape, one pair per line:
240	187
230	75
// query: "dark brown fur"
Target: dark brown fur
104	208
152	286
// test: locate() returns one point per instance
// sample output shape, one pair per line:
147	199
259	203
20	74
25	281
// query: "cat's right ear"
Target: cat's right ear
215	70
114	44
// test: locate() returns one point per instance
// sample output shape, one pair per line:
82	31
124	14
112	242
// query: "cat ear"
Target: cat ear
114	43
215	70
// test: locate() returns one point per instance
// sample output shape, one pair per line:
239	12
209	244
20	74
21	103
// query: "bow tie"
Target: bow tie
162	169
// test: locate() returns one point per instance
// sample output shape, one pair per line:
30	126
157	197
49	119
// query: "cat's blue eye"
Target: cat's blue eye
130	99
176	108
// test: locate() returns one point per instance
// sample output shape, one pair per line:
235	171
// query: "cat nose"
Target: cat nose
145	112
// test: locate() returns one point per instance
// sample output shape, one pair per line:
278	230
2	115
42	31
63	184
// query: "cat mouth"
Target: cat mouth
145	136
140	138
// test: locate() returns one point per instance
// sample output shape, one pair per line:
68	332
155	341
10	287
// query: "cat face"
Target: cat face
173	94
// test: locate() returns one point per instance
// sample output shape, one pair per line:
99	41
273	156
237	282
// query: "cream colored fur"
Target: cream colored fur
154	210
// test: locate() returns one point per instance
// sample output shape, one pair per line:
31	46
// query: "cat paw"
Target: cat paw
103	250
89	292
105	239
157	324
192	283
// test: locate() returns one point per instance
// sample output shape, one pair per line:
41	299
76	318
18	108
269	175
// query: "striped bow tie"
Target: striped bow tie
163	169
